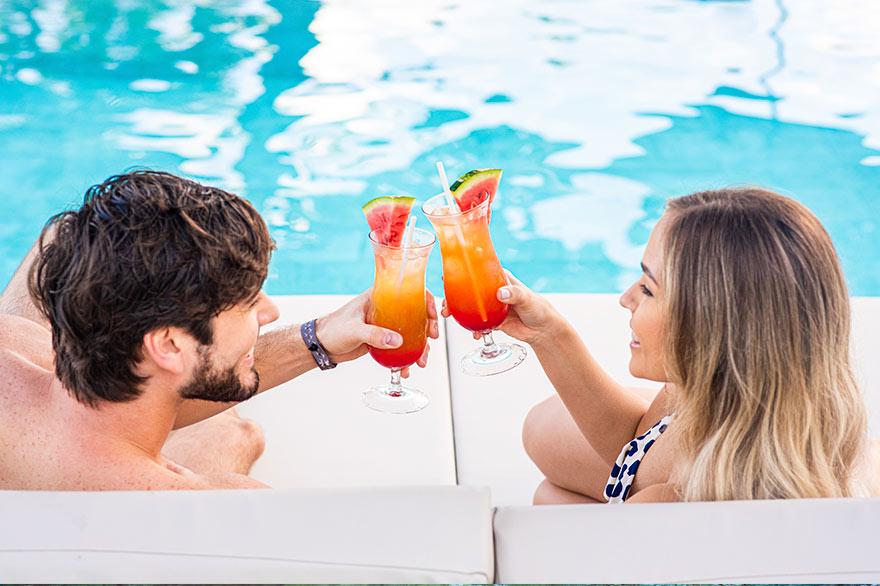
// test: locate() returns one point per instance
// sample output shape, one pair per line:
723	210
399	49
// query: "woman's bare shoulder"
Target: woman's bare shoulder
661	405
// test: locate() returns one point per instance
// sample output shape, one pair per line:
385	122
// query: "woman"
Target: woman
742	310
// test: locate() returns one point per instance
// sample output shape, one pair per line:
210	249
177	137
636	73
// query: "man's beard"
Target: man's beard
221	387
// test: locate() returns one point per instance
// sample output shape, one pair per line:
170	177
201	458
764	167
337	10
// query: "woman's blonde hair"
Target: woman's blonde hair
757	340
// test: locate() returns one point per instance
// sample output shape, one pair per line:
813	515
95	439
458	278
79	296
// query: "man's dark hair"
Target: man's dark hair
146	250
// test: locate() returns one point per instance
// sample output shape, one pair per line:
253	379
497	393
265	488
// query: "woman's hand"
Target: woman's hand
531	316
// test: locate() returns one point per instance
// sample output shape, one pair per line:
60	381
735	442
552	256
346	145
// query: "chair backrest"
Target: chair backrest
385	535
809	540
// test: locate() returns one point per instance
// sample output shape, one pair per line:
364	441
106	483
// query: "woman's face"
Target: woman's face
644	300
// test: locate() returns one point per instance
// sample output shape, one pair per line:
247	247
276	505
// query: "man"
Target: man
139	314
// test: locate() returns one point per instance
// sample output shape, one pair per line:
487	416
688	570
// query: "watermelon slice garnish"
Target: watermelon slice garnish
388	215
472	188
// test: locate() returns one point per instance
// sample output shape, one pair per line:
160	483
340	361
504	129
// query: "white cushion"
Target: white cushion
805	541
386	535
865	325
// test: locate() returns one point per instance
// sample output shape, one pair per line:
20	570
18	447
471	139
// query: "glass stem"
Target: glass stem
490	349
394	388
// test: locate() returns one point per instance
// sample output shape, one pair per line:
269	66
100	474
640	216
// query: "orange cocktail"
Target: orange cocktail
472	275
398	302
472	272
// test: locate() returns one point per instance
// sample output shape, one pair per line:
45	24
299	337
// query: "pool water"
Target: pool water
596	111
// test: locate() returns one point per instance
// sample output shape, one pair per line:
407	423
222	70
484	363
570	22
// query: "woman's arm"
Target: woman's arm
606	413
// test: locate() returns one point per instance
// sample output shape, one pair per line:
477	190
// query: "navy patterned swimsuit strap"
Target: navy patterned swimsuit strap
624	470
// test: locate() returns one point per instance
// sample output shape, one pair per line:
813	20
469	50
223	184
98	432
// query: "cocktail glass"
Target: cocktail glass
398	302
472	275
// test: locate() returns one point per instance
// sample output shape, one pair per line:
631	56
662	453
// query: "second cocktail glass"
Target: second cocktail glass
472	275
398	303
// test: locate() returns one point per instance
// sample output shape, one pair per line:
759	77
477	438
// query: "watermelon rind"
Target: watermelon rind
387	216
469	190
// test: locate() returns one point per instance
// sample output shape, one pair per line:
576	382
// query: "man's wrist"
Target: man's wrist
308	331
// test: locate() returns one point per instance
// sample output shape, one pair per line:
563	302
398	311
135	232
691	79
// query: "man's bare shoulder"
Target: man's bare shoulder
26	339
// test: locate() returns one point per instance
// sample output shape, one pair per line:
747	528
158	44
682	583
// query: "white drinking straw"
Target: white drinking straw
408	234
407	244
450	201
453	205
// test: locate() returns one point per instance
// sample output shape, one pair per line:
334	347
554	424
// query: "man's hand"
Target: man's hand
346	334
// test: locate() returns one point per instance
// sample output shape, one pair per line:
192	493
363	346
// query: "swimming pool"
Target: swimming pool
596	111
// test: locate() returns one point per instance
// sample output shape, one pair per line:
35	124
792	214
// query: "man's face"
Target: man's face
225	370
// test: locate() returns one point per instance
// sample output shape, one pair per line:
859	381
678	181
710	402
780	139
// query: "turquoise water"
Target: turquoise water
596	111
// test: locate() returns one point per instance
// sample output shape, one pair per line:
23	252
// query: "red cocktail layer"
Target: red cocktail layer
471	316
397	357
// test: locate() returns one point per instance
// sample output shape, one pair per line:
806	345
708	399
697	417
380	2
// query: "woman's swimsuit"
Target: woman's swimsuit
624	470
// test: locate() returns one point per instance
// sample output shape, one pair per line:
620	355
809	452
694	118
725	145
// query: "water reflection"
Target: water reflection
597	111
167	78
595	80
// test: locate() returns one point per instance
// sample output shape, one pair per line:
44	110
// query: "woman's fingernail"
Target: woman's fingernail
392	339
504	293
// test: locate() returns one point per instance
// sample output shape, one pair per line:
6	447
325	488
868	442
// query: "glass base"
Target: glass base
482	363
401	400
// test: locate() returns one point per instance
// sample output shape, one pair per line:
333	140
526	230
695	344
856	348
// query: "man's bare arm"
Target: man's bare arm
281	355
24	329
15	299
